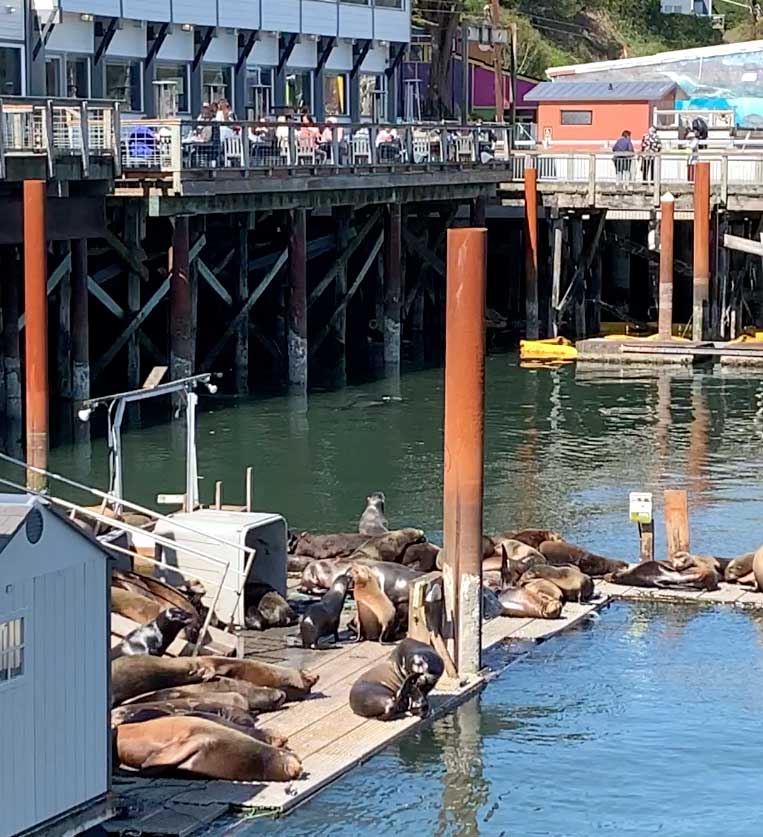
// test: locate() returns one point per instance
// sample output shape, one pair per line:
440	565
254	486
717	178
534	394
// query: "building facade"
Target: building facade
334	58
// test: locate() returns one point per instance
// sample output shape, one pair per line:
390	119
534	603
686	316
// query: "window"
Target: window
11	649
335	94
577	117
299	89
217	83
124	83
390	4
171	93
77	76
373	96
53	76
259	82
10	71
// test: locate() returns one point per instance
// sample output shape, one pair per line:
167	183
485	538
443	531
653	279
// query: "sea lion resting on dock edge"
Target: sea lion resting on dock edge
576	586
373	521
398	685
136	675
739	568
155	637
519	601
295	683
205	748
662	575
322	618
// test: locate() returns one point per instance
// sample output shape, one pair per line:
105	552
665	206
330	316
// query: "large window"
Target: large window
172	92
77	76
217	83
53	73
259	82
373	96
299	89
10	71
577	117
335	94
11	649
124	82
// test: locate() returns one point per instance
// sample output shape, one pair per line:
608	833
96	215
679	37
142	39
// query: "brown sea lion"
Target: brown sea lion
739	567
372	521
576	586
545	588
232	700
132	676
421	557
389	547
516	550
757	567
519	601
559	553
398	685
135	606
395	579
318	576
375	610
322	618
296	683
322	547
221	690
204	748
153	588
662	575
532	537
266	608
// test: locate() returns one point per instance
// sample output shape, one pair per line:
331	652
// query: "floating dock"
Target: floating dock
643	351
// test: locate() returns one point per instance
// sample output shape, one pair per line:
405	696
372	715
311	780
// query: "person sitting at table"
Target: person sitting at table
202	133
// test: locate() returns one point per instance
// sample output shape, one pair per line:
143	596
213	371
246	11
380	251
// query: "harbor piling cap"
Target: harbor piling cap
667	198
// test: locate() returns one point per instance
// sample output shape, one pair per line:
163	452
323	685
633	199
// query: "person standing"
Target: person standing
651	146
692	141
622	156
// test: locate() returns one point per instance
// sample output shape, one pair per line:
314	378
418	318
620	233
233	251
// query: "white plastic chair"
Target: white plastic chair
464	148
422	148
305	150
233	151
361	148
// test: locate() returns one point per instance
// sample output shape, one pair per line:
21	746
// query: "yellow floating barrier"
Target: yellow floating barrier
551	350
749	336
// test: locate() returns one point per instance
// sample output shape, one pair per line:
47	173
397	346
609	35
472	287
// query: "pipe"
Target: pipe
393	257
181	306
36	331
297	312
531	253
464	440
701	294
665	300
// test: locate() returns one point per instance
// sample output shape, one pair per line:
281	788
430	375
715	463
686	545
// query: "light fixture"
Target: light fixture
212	388
186	27
10	10
84	414
86	18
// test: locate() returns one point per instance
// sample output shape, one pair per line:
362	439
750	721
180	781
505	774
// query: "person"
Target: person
224	111
651	145
692	143
622	156
202	133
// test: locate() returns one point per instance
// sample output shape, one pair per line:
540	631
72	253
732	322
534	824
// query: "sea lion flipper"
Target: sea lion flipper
505	574
173	754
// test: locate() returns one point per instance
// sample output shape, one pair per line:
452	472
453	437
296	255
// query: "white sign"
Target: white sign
640	507
170	499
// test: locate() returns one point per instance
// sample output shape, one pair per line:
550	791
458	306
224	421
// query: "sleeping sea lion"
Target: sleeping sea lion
136	675
516	550
204	748
322	618
739	567
558	553
576	586
519	601
391	546
531	537
373	521
322	547
266	608
296	683
757	568
662	575
318	576
398	685
221	690
421	557
135	606
231	700
375	610
546	588
156	636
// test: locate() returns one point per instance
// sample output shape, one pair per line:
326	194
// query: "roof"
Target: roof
659	58
600	91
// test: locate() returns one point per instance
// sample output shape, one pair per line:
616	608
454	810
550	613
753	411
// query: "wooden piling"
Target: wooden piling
64	336
80	335
478	212
343	217
132	241
593	305
241	350
676	521
665	298
701	294
182	341
578	292
297	315
531	253
392	289
12	359
464	439
36	329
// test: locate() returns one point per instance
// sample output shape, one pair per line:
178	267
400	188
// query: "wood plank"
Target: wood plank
213	282
97	291
676	521
743	245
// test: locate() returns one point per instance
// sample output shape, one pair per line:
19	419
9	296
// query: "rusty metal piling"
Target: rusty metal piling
701	294
464	441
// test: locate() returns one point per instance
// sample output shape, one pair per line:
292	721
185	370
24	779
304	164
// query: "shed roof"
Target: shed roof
600	91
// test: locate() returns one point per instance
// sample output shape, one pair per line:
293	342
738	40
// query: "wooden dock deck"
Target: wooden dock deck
640	351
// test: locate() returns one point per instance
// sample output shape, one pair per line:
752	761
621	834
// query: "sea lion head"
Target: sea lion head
361	575
738	567
427	665
551	608
376	499
178	615
341	584
292	766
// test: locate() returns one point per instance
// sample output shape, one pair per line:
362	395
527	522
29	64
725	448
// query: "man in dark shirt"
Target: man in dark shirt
622	156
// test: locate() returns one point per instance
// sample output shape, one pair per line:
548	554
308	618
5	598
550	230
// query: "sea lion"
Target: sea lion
558	553
204	748
576	586
398	685
375	610
421	557
295	564
230	700
136	675
516	551
662	575
532	537
373	521
519	601
546	588
156	636
390	546
488	549
132	605
221	690
318	576
739	567
322	618
322	547
757	567
164	594
266	608
395	579
296	683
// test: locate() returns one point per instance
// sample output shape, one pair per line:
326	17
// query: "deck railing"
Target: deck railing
56	128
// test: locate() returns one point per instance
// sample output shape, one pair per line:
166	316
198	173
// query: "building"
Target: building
54	676
583	114
727	77
335	58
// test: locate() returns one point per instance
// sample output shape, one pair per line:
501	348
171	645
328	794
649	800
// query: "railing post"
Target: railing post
245	145
409	144
475	145
84	129
724	178
176	155
591	179
657	178
335	145
372	131
116	138
292	138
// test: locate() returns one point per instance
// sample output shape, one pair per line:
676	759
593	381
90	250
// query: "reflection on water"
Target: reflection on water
643	723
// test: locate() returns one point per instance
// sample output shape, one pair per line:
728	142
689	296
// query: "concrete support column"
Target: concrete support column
297	312
182	332
393	255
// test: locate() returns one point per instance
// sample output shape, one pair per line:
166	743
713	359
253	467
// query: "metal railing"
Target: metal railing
718	120
58	128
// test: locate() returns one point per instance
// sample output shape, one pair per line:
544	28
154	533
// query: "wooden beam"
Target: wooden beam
245	47
156	41
127	254
213	282
244	312
97	291
285	51
421	250
201	44
743	245
585	262
63	268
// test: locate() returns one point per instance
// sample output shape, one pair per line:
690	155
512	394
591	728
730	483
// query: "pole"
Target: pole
513	81
478	211
297	327
556	277
12	359
495	14
181	307
343	218
701	248
665	299
393	289
36	330
464	438
464	73
80	334
241	354
531	253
